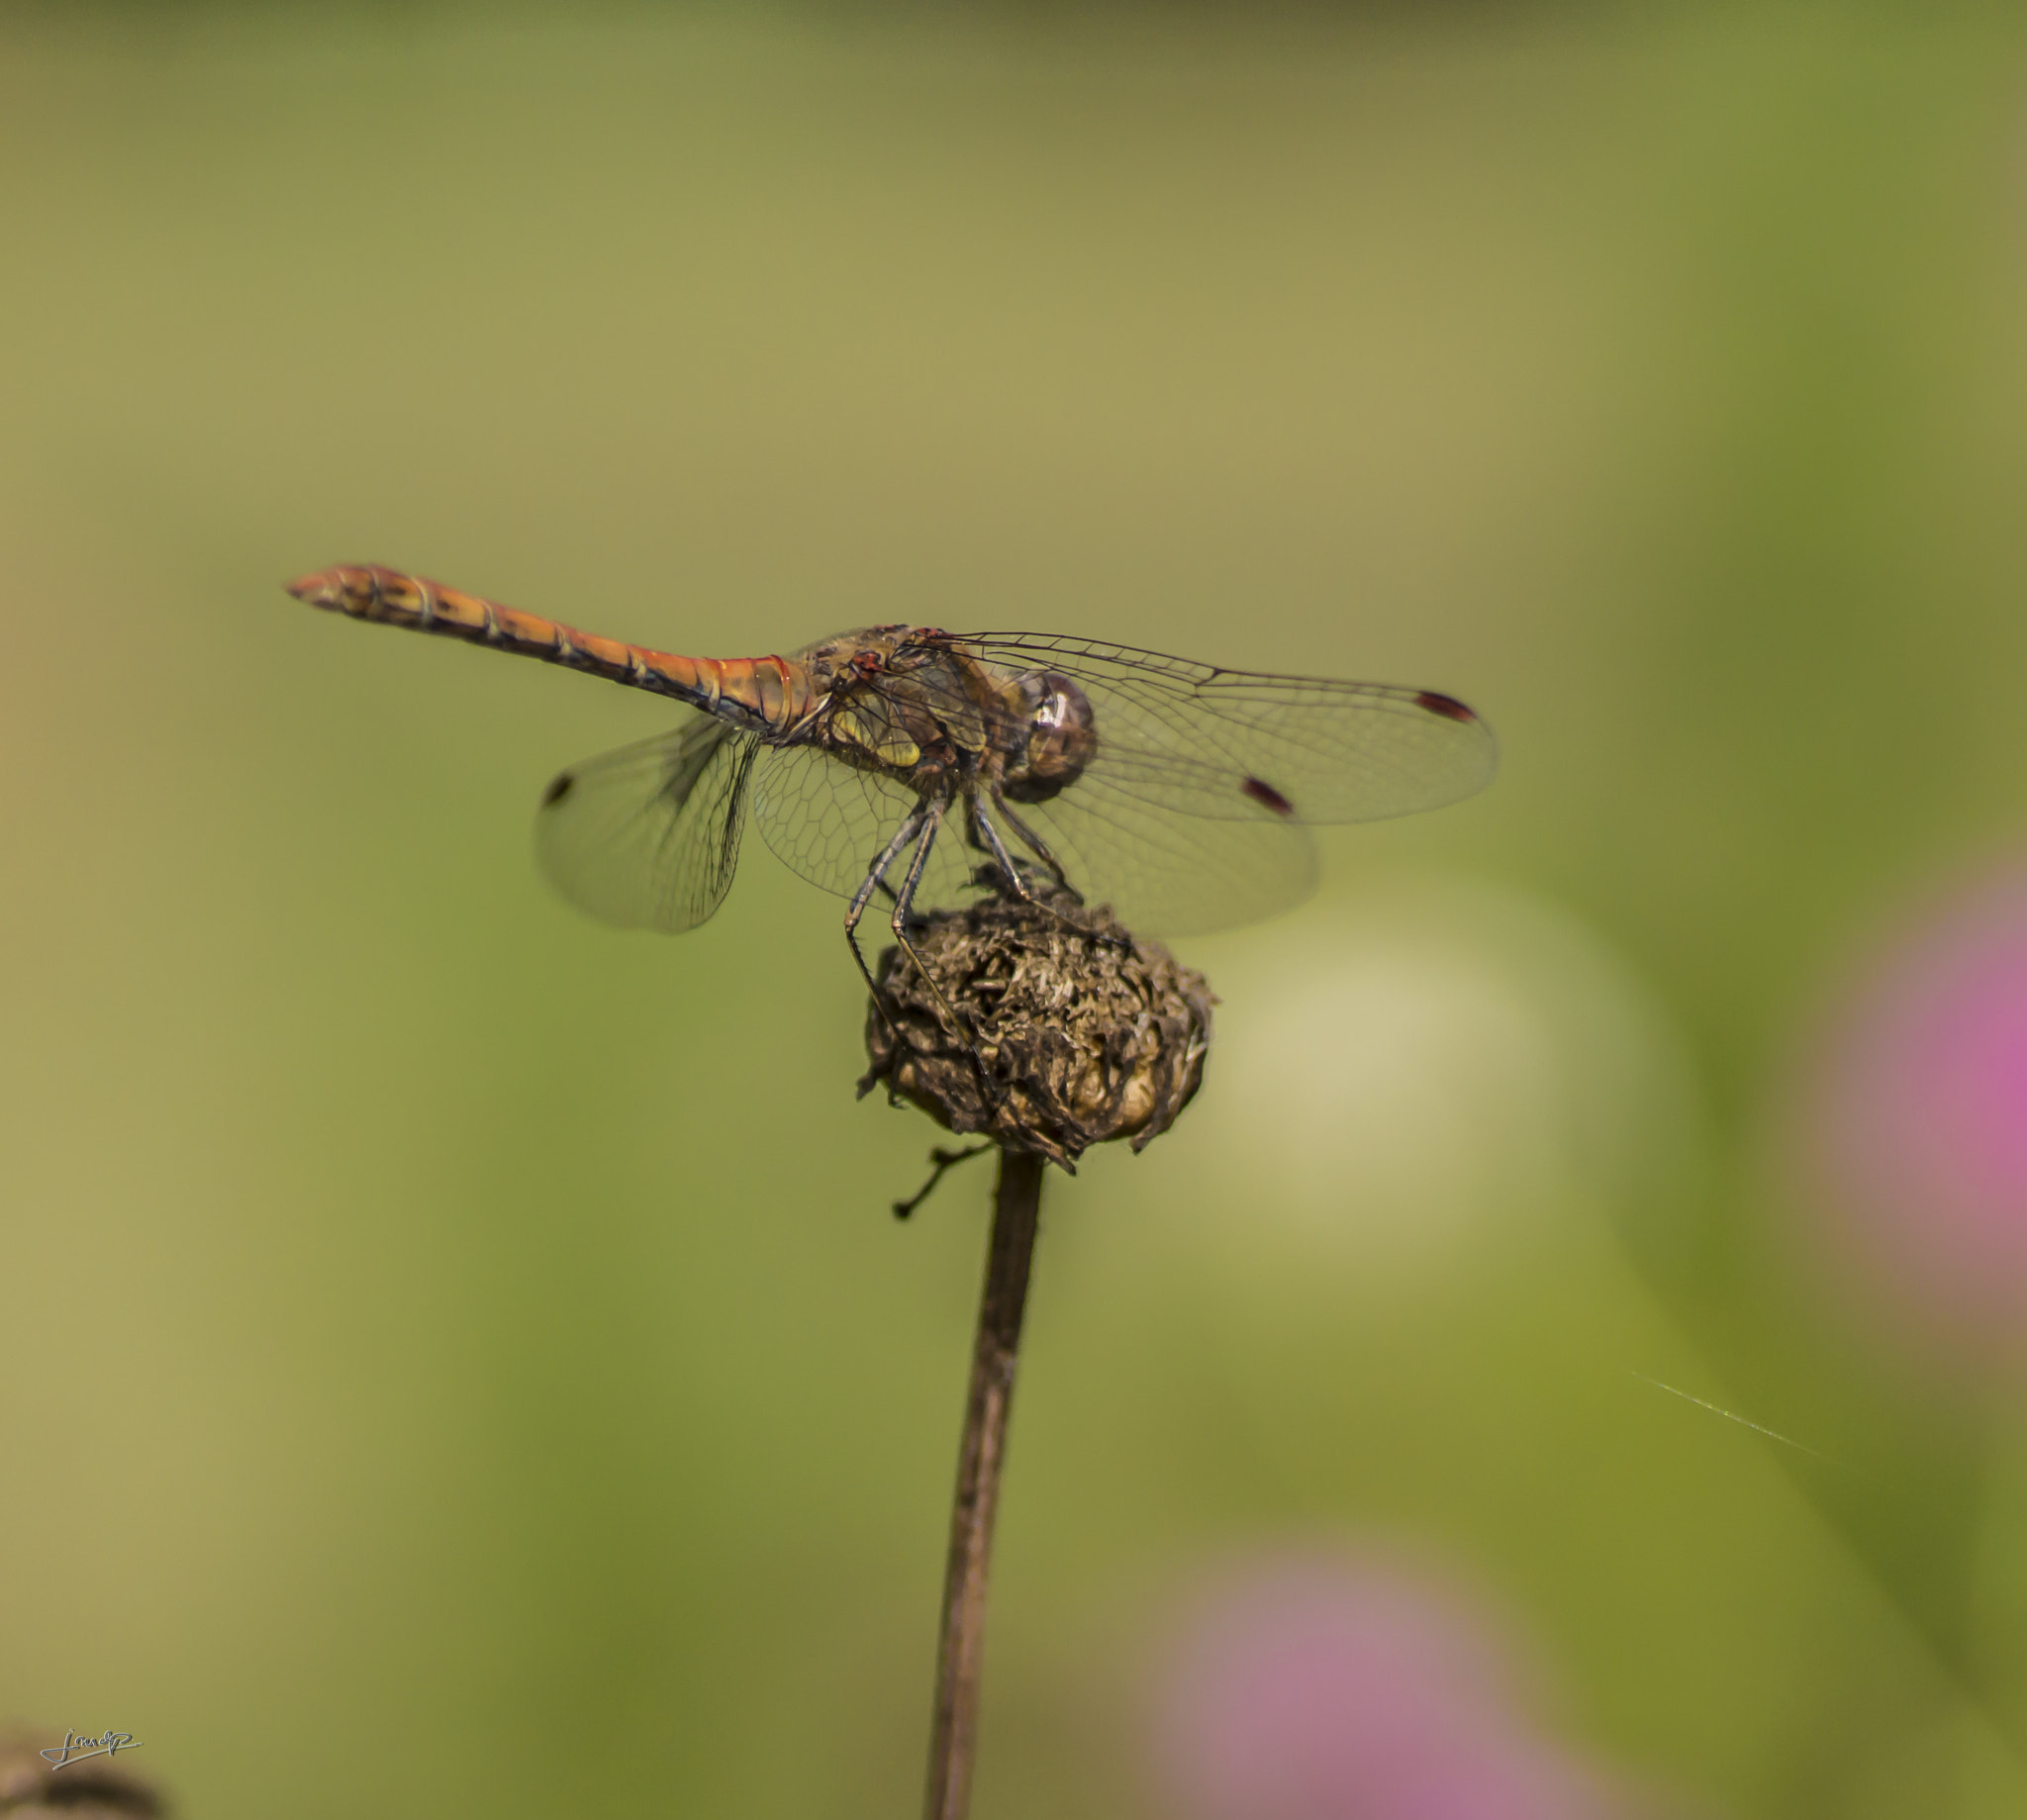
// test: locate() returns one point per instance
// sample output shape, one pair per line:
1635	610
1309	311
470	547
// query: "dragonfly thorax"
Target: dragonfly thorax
853	654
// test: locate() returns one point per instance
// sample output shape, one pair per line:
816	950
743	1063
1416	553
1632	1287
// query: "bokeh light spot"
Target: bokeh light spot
1916	1116
1319	1688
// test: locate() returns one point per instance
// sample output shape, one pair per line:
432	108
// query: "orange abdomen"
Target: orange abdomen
754	692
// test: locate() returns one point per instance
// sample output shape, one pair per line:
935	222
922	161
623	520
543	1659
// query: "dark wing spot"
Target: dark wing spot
1447	705
559	788
1267	796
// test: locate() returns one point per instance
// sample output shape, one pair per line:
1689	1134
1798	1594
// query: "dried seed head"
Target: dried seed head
1085	1033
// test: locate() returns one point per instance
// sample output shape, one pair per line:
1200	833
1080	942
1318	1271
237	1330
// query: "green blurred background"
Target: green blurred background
458	1360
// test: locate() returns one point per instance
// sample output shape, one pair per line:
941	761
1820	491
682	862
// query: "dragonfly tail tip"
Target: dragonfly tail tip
320	588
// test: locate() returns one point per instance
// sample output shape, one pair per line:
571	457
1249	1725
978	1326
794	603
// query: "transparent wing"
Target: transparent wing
1190	813
647	837
1226	743
827	821
1163	872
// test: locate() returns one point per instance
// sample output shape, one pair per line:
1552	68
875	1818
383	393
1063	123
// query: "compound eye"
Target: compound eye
1061	738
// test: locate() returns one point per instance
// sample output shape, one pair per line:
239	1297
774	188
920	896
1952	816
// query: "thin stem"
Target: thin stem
1017	1210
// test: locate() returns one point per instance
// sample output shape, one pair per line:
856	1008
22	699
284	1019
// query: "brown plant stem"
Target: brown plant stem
1017	1211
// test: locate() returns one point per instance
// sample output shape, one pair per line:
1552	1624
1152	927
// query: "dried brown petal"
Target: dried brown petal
1084	1034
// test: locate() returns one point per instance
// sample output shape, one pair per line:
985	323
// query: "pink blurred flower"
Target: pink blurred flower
1320	1690
1917	1116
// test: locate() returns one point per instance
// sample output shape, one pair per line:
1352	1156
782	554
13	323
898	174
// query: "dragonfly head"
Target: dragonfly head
1061	737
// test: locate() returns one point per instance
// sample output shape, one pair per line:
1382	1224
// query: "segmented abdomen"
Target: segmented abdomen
749	691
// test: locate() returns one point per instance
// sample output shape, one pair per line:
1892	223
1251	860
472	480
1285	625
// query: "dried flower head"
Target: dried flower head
1082	1034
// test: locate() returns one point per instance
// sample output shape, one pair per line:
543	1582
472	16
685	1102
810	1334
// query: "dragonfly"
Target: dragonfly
929	765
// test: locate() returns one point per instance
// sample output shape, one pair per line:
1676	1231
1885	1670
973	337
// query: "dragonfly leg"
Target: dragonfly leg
1021	890
983	824
1033	842
894	849
932	817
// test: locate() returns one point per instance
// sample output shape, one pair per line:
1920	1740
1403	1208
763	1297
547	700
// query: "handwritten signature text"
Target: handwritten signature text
75	1746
